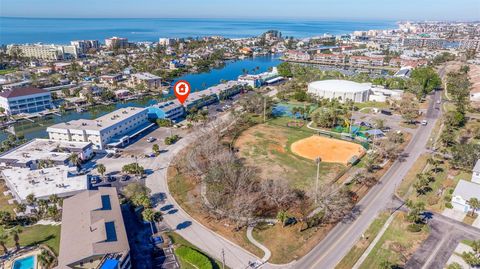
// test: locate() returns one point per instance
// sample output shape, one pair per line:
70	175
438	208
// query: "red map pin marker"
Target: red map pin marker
181	90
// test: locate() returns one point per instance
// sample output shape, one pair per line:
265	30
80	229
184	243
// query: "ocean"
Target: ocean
62	31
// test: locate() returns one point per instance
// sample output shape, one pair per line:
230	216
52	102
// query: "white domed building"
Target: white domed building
340	89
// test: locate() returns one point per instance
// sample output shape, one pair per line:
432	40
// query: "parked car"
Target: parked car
95	179
386	112
109	155
424	122
116	156
150	139
125	178
111	179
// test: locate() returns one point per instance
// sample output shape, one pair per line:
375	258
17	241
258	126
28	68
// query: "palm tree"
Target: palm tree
149	215
53	199
31	200
14	232
45	259
74	160
21	208
474	204
282	217
3	240
434	162
101	169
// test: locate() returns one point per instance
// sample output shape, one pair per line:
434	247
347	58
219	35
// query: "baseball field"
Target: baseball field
328	149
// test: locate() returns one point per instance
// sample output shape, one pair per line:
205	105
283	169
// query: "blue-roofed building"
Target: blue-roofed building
171	110
375	133
93	234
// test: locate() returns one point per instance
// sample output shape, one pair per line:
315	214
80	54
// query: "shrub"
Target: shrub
171	139
164	123
432	200
447	198
414	227
450	191
448	205
193	257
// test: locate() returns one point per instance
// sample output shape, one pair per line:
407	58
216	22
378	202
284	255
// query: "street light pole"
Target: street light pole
317	160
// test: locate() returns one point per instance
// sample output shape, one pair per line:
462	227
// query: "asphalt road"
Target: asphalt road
330	251
445	234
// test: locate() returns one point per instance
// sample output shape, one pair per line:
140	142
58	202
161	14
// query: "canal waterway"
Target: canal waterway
199	81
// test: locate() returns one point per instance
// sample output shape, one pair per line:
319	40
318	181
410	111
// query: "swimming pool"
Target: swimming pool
25	263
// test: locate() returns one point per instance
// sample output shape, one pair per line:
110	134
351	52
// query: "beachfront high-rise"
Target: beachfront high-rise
116	43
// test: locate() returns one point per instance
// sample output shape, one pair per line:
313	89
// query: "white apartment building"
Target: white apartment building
84	45
25	100
166	41
149	80
46	52
111	130
116	43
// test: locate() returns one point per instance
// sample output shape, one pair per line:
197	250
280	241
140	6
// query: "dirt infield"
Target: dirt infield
328	149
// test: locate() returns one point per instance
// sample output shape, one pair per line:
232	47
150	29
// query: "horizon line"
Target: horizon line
257	18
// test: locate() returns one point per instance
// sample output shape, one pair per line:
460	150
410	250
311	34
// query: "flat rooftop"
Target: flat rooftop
145	76
43	149
168	105
44	182
102	122
92	225
217	89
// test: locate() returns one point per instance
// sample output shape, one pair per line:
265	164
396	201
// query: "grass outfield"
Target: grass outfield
38	234
268	147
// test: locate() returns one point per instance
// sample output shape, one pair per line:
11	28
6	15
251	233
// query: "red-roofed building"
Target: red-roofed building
25	100
329	58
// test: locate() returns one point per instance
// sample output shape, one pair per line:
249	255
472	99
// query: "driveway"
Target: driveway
454	214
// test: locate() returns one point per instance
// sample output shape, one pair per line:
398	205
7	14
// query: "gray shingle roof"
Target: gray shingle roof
467	190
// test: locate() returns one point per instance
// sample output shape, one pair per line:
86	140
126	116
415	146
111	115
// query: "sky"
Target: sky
294	9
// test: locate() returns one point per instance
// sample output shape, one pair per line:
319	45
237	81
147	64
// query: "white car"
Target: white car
424	122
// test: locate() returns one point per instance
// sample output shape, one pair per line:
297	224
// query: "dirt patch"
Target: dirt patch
328	149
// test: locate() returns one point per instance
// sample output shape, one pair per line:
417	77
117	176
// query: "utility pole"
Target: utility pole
317	160
223	258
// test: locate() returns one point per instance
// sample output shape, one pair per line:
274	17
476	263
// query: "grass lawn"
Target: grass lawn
39	234
445	180
4	205
410	178
372	104
396	245
267	147
178	240
288	243
356	252
6	71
